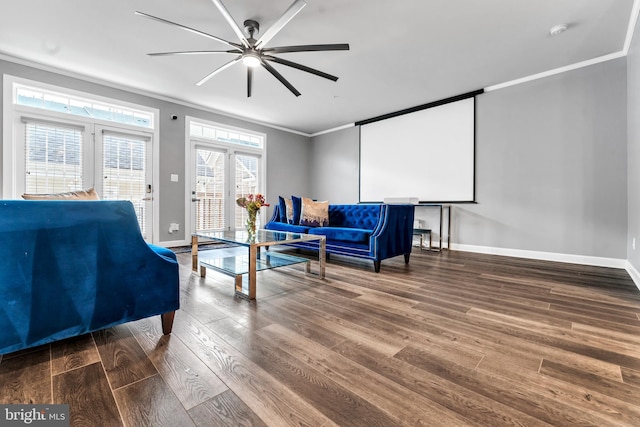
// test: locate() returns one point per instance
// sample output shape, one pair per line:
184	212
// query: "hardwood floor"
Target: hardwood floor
452	339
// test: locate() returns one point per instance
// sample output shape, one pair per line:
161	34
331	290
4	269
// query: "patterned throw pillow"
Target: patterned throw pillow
89	194
314	214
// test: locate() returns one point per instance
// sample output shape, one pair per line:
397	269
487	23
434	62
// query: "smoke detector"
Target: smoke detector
558	29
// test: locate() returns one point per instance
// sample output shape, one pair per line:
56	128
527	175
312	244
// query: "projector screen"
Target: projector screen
427	154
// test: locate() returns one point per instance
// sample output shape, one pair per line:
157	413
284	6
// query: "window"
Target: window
49	100
58	140
222	134
53	155
124	172
226	163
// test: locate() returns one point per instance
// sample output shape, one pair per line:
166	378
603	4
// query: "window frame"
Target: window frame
13	114
232	150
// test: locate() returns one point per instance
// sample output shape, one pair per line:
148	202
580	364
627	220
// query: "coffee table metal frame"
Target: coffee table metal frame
248	265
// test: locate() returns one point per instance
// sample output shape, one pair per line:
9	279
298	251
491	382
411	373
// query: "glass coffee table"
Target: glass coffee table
247	265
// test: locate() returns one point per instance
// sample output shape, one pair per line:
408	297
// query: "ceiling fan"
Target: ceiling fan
254	52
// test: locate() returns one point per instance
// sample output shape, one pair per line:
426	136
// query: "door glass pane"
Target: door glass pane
210	183
246	179
124	173
53	158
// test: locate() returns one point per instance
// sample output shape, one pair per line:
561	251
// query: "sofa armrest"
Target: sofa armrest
393	234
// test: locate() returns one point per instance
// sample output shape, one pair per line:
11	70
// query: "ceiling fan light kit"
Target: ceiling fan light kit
250	60
252	52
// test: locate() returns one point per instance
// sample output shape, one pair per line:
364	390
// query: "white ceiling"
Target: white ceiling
403	52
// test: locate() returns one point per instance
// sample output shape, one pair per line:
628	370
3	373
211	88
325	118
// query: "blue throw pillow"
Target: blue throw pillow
282	208
297	207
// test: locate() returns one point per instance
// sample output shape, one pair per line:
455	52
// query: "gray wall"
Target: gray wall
551	158
551	166
633	149
334	169
287	153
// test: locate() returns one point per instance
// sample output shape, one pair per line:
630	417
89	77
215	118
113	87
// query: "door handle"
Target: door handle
195	200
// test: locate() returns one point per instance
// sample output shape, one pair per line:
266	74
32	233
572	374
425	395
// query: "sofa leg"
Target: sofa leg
376	266
167	322
406	258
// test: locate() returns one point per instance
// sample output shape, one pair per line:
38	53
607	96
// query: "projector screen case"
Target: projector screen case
428	153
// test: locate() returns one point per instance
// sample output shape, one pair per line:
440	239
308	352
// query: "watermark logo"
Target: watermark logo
34	415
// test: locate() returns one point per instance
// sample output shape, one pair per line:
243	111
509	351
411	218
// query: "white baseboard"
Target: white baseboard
635	275
173	243
546	256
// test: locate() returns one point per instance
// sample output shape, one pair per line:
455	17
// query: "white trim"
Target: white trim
545	256
9	163
635	10
635	275
173	243
322	132
555	71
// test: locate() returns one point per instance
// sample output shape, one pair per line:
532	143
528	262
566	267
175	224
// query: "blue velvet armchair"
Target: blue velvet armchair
72	267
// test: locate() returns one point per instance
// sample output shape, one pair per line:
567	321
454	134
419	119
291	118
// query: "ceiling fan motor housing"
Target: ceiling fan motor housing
251	28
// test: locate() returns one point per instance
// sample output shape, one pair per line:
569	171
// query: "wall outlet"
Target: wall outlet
173	227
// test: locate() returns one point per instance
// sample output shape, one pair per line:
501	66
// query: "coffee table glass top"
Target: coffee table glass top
239	264
261	237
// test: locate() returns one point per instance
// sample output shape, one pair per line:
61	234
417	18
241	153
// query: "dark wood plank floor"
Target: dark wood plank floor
452	339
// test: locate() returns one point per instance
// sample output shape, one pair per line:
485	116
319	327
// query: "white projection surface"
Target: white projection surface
428	154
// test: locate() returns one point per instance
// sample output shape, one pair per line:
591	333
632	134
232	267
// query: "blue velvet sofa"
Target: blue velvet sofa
72	267
369	231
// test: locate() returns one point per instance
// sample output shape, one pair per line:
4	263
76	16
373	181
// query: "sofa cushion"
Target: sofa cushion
89	194
282	226
314	214
354	235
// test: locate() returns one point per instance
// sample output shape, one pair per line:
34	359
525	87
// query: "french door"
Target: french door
67	156
220	175
123	171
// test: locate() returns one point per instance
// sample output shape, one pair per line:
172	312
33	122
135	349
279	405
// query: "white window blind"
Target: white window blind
123	171
210	185
53	158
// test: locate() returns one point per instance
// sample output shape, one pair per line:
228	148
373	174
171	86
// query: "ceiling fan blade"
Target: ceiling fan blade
234	26
288	15
278	76
249	80
307	48
217	70
300	67
192	52
191	30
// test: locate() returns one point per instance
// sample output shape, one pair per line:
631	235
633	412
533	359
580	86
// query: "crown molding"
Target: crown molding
158	96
